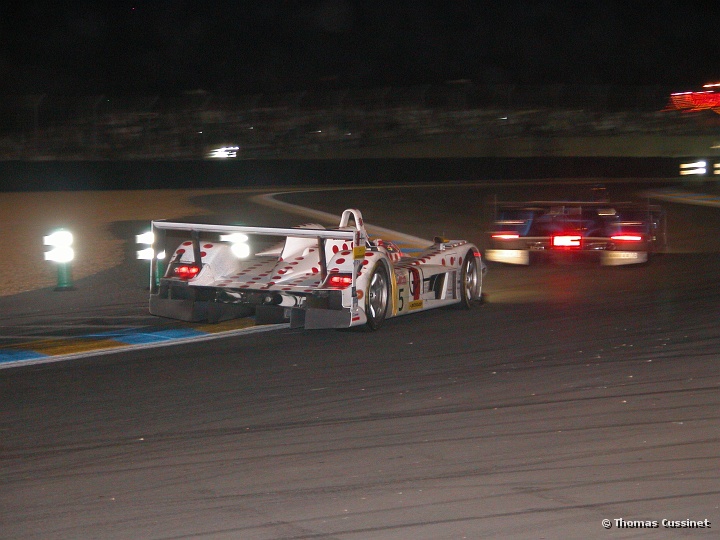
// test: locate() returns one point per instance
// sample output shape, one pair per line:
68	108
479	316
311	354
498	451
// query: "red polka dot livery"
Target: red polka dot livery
290	273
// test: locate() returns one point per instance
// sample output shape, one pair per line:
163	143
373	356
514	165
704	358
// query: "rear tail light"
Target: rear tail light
186	271
627	237
506	236
338	281
566	241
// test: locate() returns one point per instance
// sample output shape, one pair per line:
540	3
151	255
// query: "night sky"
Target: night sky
173	46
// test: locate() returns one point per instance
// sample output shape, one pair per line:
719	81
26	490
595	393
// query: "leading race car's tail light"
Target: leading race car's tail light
566	241
338	281
506	235
186	271
627	237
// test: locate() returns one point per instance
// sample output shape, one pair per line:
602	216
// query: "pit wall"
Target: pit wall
113	175
618	146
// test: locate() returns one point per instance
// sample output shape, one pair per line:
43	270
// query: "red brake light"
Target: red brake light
506	236
339	281
186	271
627	237
566	241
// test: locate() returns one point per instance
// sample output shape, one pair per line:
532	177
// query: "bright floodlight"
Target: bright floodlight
146	254
241	251
145	238
239	245
235	238
695	168
59	238
224	152
61	246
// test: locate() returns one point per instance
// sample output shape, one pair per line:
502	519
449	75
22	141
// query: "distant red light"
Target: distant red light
695	101
566	240
627	237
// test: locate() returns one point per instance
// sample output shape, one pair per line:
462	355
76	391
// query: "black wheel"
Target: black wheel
471	282
376	298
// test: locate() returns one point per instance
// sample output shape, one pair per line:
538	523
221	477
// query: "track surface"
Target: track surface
575	394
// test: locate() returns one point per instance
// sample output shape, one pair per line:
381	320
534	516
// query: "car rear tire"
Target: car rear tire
471	282
377	298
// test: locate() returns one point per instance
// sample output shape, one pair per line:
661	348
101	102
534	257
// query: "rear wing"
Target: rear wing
267	231
532	205
355	234
576	208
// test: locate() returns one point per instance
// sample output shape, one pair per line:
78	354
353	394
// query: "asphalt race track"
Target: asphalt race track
575	394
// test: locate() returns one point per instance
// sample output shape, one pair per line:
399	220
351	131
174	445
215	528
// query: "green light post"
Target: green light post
159	270
61	253
65	282
148	253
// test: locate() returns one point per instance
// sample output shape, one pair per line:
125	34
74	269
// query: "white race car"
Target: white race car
313	277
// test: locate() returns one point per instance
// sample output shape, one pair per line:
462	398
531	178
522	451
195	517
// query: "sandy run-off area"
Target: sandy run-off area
26	218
